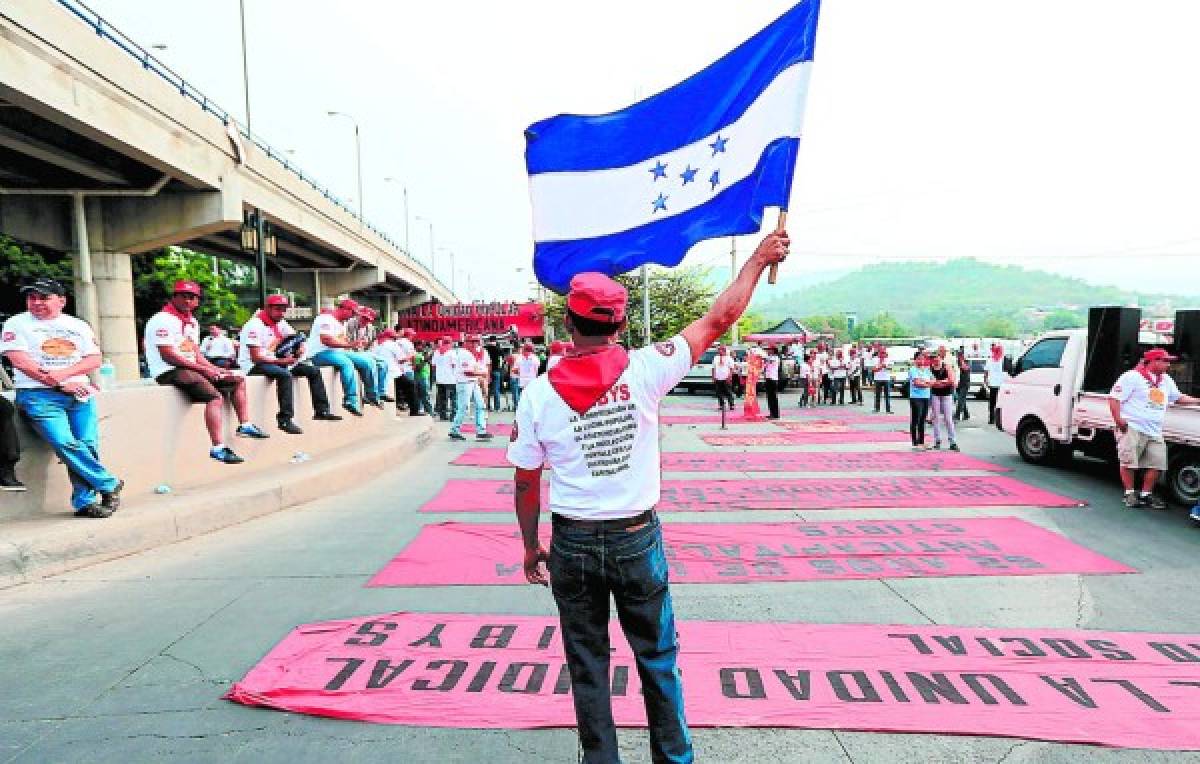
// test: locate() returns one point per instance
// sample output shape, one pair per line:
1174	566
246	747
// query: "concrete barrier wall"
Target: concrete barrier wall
150	436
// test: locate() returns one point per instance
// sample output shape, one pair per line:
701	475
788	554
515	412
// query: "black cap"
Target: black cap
44	286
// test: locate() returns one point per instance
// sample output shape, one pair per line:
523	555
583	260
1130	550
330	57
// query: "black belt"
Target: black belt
615	524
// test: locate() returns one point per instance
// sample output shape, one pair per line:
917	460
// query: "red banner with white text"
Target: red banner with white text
432	321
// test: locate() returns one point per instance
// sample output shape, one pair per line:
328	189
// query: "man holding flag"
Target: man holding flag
610	193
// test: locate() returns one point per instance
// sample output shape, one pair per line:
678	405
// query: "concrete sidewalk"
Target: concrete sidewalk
46	546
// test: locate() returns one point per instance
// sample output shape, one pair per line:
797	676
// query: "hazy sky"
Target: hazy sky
1058	134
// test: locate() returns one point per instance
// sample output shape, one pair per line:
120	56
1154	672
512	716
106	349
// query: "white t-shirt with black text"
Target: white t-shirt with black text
325	323
605	463
55	343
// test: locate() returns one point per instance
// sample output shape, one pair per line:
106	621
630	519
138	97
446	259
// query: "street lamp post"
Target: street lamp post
432	256
245	64
357	158
404	189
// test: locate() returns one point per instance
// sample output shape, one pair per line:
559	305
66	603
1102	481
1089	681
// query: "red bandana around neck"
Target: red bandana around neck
184	318
1154	380
583	376
272	325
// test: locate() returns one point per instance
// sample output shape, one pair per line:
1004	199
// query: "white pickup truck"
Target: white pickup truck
1043	406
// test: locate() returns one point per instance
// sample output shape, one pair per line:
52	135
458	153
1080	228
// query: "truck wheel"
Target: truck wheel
1183	478
1034	443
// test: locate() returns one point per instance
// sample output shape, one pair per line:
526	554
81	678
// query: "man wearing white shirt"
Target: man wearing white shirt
881	372
329	344
1138	403
52	354
472	369
218	348
722	374
994	376
172	340
266	352
445	376
594	420
528	365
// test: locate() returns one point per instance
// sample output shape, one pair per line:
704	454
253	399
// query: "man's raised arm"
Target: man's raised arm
731	303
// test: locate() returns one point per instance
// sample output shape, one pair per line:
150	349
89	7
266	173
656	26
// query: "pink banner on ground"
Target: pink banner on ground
782	461
820	425
788	493
499	429
1127	689
851	419
723	553
803	438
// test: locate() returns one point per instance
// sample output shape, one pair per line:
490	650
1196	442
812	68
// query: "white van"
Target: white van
1044	407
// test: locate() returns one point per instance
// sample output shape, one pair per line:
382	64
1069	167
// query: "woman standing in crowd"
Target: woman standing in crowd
964	386
920	383
942	401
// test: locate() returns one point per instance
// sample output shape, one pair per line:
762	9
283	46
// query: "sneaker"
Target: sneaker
112	500
953	446
250	431
8	480
937	446
225	455
375	402
1194	516
96	511
1133	501
356	411
456	436
327	416
387	399
483	436
290	427
1152	501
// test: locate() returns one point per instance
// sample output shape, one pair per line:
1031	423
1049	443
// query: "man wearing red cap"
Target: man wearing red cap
1138	403
173	354
266	351
397	351
329	345
594	419
470	365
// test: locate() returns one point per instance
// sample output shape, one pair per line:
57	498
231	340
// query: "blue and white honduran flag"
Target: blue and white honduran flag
700	160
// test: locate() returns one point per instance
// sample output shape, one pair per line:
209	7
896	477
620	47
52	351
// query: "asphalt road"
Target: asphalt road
126	661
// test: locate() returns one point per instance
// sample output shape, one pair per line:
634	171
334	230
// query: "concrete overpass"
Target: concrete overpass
107	153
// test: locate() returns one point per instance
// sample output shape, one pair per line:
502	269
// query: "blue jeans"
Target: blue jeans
346	363
374	372
465	394
494	390
586	564
73	431
423	395
514	388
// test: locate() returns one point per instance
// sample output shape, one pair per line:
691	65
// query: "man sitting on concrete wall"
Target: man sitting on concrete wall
329	345
10	447
265	351
52	354
173	355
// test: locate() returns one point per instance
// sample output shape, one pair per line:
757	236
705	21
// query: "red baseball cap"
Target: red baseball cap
556	347
1158	354
408	331
187	287
277	299
388	334
348	304
596	296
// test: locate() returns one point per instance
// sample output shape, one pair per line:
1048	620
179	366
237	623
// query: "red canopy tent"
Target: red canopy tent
785	332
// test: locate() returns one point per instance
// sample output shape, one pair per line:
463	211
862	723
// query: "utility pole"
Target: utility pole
645	306
732	276
245	65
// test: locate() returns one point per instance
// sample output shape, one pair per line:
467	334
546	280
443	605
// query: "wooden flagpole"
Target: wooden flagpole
779	227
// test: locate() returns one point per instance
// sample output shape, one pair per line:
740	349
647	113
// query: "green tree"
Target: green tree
155	275
881	325
678	296
1063	319
20	263
997	326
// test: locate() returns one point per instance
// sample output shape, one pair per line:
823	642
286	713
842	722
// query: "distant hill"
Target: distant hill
719	277
934	298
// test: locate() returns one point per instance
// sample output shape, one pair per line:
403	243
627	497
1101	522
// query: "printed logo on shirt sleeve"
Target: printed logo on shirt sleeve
665	348
161	333
10	336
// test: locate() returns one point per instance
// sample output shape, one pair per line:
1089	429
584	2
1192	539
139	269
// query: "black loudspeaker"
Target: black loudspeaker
1186	371
1112	346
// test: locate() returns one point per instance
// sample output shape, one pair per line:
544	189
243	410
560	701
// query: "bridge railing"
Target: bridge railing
152	64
